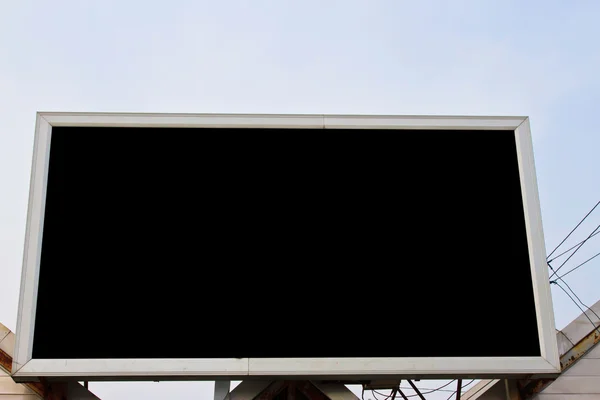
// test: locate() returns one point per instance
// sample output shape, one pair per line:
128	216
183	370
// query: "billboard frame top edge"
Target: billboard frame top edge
43	113
312	121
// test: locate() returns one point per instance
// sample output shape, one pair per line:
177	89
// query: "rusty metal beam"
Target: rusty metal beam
6	363
44	389
529	388
56	391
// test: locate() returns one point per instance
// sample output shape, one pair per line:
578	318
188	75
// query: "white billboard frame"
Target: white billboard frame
25	368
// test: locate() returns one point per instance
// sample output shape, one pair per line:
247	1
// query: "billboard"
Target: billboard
197	246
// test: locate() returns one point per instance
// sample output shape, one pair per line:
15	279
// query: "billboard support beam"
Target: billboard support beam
222	389
416	389
402	394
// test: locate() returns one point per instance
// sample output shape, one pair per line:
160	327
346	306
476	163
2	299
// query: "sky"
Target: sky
462	57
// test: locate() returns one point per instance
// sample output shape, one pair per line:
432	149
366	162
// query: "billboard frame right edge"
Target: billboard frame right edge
537	247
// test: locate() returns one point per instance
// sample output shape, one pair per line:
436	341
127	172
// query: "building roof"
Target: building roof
575	341
32	390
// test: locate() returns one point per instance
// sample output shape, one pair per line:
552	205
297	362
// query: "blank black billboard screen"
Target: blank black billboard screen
235	243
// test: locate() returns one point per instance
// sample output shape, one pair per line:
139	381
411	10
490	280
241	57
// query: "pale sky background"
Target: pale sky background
535	58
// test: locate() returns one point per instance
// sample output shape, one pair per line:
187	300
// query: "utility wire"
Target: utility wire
387	396
574	294
573	253
578	306
578	299
566	251
570	233
441	387
430	390
583	263
461	388
436	390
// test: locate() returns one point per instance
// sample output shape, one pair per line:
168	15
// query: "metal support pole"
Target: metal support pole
416	389
222	390
458	388
402	394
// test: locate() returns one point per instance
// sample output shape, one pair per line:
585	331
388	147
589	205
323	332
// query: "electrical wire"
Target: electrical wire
423	393
461	388
387	396
574	294
439	389
381	394
435	390
578	299
573	253
570	233
578	306
410	388
566	251
583	263
429	390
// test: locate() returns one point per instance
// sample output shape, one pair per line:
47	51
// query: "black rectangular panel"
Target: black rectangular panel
224	243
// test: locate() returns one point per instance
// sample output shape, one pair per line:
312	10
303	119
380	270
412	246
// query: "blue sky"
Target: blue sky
535	58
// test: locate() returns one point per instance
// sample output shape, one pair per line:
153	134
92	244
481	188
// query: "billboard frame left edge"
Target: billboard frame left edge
32	244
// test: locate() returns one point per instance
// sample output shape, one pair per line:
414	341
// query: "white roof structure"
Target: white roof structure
8	388
11	390
580	368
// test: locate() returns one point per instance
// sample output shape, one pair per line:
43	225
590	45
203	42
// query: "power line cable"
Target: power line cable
578	306
387	396
461	388
580	265
566	251
427	390
573	253
578	299
574	294
437	390
570	233
430	390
